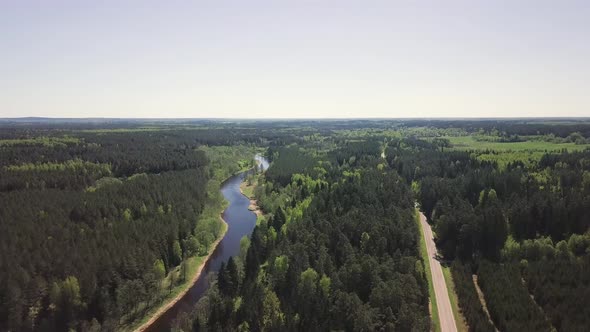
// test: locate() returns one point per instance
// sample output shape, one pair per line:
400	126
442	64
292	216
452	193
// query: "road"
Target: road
445	312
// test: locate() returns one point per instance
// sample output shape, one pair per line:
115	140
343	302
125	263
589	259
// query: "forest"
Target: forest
94	223
312	265
518	220
97	220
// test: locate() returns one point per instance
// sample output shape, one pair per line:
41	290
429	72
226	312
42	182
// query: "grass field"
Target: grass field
529	152
470	143
248	189
424	255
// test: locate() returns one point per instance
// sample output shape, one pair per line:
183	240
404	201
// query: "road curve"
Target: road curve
445	312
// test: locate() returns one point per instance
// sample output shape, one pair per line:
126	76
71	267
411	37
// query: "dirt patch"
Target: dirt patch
254	207
244	187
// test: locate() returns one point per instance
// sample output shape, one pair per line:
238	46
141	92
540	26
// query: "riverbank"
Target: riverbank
161	317
186	286
248	191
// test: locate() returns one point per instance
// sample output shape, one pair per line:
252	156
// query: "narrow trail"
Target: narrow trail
482	300
445	312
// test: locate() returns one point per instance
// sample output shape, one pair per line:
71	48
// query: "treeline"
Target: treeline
71	174
557	277
341	253
66	256
222	159
509	303
469	302
287	161
128	151
548	200
128	154
349	152
561	287
524	127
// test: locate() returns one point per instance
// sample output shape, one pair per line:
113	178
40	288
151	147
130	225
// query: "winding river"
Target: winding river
241	221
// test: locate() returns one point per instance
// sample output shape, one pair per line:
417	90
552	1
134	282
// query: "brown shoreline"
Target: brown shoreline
162	310
253	207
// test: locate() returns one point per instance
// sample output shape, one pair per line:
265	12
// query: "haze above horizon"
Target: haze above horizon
294	59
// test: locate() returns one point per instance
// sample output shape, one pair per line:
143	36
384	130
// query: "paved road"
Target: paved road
445	312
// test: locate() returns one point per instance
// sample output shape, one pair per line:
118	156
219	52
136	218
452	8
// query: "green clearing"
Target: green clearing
226	161
503	158
503	153
424	255
470	143
247	190
248	186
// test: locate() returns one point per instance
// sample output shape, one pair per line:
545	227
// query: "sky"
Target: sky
294	59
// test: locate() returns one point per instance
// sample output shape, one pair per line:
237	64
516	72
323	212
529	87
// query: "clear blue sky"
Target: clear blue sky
294	58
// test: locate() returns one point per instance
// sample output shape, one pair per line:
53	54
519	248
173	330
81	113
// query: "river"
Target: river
240	221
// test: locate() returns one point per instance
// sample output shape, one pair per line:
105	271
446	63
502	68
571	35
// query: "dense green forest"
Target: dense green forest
518	216
95	218
341	253
93	222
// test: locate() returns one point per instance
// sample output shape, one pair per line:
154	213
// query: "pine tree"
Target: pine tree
233	277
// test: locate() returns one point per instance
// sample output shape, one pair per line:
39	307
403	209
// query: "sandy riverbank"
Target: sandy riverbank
253	202
189	285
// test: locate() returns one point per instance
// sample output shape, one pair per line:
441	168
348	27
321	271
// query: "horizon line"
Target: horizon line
296	118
